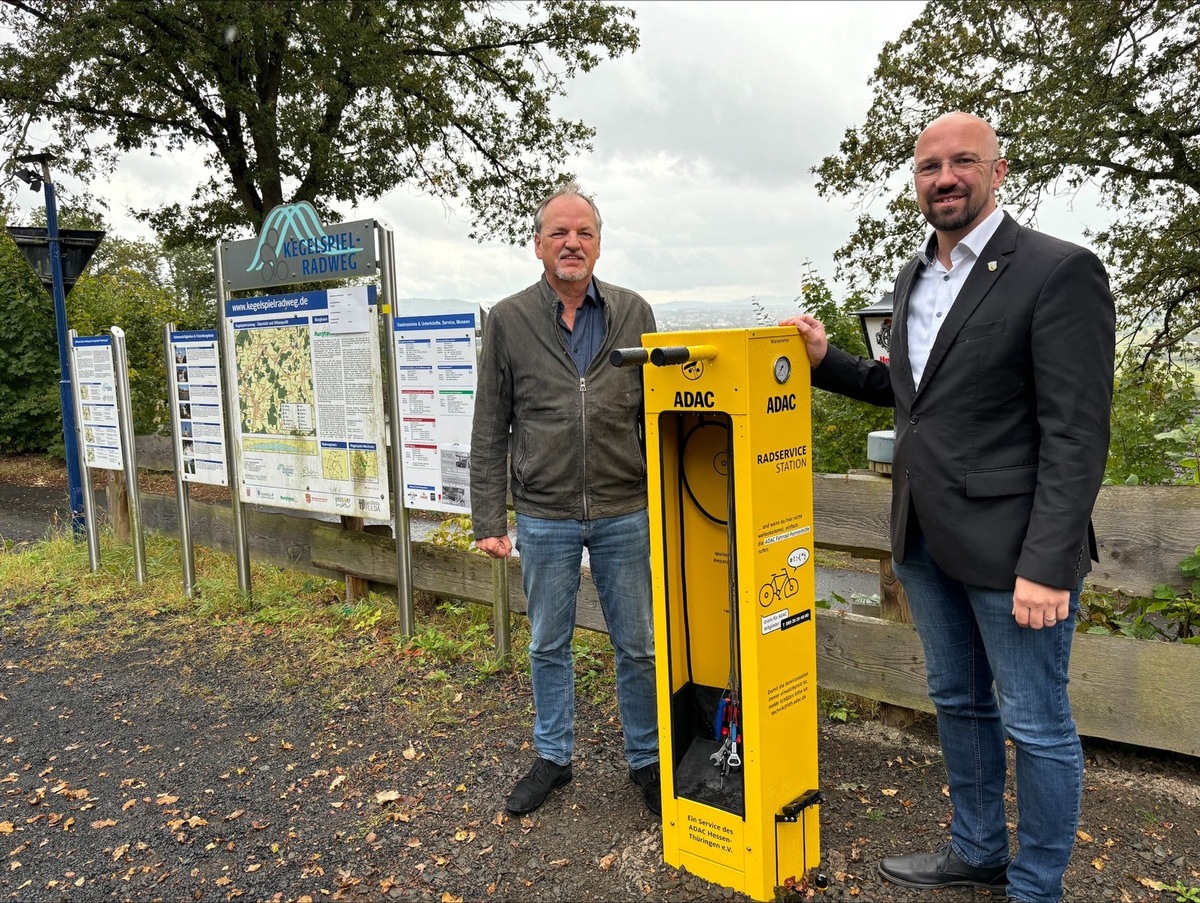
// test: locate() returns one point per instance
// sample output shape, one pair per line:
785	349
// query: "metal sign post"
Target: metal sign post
404	590
229	395
125	429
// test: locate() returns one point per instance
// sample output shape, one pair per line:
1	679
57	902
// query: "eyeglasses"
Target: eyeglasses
960	166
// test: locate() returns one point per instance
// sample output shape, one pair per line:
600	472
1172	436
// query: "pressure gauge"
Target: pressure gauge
783	370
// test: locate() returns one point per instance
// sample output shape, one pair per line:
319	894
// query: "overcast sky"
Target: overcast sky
701	169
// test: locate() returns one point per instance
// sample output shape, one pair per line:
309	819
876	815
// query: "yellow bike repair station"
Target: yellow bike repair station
728	430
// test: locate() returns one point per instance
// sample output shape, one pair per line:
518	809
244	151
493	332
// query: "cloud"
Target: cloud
705	141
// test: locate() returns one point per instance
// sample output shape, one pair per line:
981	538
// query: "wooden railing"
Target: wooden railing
1132	691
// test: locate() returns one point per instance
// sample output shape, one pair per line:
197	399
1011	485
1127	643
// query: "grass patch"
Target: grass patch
298	629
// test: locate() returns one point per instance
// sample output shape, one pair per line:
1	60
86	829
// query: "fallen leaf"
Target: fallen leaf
1098	864
1151	883
120	851
337	782
164	799
410	753
127	805
254	867
461	835
559	863
103	823
448	897
236	813
387	796
888	791
607	862
1084	836
283	744
6	827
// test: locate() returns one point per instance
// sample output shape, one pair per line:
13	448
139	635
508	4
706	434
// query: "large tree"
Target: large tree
309	100
1099	92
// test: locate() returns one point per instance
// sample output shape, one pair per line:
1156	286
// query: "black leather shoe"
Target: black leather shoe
941	869
647	777
531	791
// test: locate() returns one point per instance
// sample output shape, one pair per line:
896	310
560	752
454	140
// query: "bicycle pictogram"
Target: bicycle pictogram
781	586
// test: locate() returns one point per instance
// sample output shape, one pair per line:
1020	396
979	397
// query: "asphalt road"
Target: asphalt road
28	512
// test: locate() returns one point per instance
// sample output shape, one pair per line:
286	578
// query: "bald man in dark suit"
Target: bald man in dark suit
1001	377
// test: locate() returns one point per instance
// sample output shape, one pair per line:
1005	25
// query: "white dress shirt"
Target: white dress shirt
936	288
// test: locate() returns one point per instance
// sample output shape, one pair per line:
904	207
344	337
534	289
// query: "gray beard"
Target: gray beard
569	275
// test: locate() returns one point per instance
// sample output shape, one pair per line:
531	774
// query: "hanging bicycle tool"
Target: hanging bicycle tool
727	448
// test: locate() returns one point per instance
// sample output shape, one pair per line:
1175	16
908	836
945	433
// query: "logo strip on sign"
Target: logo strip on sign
294	247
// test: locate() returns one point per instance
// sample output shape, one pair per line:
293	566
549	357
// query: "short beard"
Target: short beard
570	275
953	222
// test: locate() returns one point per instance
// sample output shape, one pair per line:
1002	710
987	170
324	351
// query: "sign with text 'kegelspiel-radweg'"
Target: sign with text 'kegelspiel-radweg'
95	379
294	247
309	425
196	374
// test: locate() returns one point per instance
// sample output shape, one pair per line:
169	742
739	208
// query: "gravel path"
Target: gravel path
152	775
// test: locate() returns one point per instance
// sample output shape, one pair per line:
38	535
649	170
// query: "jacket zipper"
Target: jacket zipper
583	426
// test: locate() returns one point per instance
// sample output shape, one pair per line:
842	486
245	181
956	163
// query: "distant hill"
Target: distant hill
676	316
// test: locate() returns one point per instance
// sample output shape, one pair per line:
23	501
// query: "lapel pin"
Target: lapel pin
991	266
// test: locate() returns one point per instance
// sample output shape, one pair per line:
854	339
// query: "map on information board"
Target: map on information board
310	423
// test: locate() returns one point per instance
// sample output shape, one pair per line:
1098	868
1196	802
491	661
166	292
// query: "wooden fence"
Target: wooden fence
1132	691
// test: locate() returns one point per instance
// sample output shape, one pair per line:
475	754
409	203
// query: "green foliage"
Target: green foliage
1185	452
1167	614
1080	93
1184	893
330	103
840	710
455	532
30	418
1148	401
839	424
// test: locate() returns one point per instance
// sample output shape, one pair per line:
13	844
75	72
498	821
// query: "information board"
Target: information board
196	374
437	374
309	419
96	384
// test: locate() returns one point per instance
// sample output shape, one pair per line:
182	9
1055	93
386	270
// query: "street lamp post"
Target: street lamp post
58	293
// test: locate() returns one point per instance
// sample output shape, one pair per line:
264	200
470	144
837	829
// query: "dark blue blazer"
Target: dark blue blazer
1000	451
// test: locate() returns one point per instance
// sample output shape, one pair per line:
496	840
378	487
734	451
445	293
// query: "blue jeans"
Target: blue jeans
971	641
619	553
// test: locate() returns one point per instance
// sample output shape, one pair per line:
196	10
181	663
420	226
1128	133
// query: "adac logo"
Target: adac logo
777	403
695	400
295	231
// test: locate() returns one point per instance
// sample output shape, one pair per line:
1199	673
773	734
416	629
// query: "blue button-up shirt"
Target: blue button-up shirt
587	335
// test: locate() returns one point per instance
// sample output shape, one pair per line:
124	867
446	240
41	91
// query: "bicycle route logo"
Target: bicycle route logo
293	244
